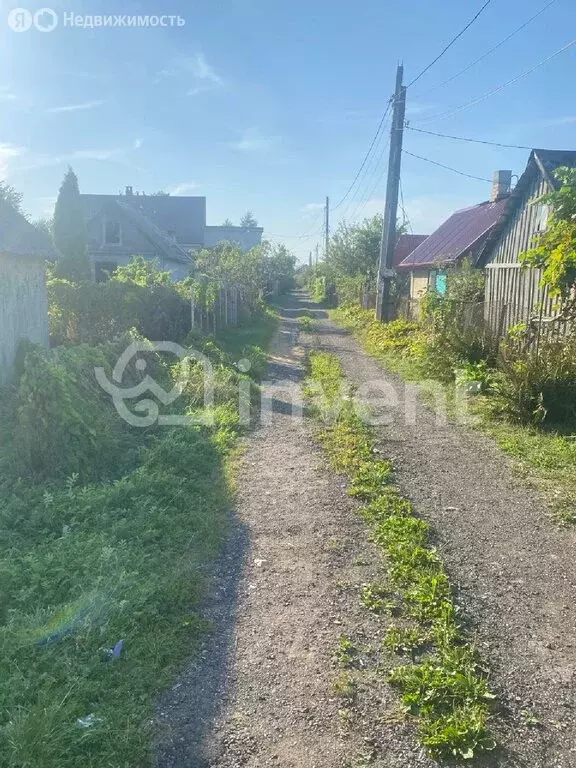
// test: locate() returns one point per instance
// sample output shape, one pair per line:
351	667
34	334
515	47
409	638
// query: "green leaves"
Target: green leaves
445	686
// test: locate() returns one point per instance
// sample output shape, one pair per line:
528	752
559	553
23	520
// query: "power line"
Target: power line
450	44
473	141
501	87
405	219
447	167
491	51
368	191
374	140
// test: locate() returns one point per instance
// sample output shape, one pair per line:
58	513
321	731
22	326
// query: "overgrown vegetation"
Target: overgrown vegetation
445	686
105	533
350	269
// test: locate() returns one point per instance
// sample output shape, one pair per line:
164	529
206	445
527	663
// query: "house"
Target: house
23	299
405	245
162	227
463	235
514	293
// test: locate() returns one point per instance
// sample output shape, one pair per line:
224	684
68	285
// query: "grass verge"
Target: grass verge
545	458
445	685
91	556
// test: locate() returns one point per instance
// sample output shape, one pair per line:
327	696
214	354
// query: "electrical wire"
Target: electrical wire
405	219
491	51
472	141
365	193
501	87
450	44
371	147
447	167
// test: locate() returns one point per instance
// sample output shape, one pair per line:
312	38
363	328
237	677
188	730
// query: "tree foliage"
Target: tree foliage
355	248
555	252
248	220
70	234
11	196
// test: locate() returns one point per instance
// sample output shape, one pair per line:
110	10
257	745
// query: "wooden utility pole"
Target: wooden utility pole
388	242
310	259
327	229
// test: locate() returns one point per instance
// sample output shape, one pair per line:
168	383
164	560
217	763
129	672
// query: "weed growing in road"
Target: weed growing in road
447	689
346	653
345	687
306	324
377	598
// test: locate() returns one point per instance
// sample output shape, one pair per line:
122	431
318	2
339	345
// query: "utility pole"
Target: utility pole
310	259
388	242
317	249
327	229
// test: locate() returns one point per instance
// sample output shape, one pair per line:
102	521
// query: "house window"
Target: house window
542	213
441	283
112	232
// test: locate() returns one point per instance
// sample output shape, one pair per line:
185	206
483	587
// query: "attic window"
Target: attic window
542	213
112	232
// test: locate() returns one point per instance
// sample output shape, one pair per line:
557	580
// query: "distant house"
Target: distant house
168	229
513	293
463	235
406	245
23	300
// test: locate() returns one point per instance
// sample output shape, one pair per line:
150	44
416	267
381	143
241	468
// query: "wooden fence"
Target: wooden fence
224	312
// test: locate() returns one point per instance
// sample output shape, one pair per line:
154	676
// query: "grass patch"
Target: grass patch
446	688
101	554
546	457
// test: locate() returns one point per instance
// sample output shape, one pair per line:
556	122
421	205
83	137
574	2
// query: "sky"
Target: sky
271	106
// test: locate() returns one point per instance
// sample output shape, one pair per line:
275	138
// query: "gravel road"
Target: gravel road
286	589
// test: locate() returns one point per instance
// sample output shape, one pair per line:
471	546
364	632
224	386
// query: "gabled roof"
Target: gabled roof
154	234
405	245
20	238
541	161
182	216
464	233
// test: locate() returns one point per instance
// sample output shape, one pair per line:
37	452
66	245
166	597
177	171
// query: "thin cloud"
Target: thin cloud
7	154
311	208
183	188
256	142
6	93
117	154
196	68
76	107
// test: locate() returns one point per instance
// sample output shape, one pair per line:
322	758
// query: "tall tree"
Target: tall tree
11	196
70	234
248	220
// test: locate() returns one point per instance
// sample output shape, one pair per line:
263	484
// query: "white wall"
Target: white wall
246	237
23	308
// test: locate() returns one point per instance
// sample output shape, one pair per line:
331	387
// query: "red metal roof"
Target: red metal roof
405	245
462	234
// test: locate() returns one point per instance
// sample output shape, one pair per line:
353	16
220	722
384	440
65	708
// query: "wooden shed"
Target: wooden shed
23	299
513	292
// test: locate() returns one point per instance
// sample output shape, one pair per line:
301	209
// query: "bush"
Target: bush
538	385
93	313
60	422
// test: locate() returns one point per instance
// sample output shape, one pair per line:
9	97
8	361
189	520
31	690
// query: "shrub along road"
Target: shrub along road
296	674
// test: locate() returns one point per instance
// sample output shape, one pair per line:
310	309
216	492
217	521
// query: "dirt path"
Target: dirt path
287	589
263	694
515	569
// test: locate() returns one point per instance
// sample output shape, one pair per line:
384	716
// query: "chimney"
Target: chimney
129	192
501	185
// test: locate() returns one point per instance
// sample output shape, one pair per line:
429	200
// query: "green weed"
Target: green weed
448	691
346	653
